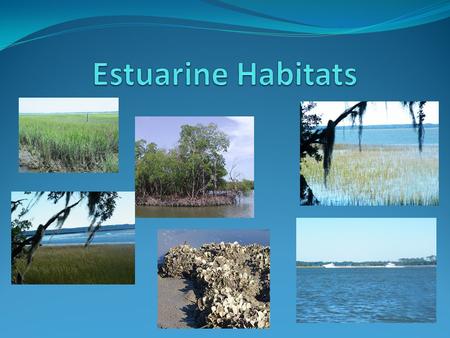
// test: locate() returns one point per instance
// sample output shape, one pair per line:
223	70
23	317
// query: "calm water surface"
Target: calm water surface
366	295
389	135
124	236
245	209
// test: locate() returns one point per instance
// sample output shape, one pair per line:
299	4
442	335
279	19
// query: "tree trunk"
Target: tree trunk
215	177
33	242
203	182
306	194
193	182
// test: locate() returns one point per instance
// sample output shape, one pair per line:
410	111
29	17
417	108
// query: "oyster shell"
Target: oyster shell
233	281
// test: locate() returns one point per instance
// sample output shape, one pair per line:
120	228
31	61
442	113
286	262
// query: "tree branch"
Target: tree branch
15	204
34	239
316	136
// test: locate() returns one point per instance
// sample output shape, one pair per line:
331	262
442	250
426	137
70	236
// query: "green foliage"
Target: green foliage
111	164
68	142
97	264
195	167
100	206
308	124
430	260
17	229
243	186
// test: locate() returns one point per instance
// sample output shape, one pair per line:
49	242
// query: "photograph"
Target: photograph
67	237
369	153
194	167
366	270
68	135
213	278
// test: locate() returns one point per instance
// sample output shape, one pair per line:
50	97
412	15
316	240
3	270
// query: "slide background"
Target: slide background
396	64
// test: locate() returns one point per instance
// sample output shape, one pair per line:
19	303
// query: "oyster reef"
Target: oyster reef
232	282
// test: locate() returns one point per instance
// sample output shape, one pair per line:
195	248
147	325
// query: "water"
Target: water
197	237
26	169
386	135
245	209
366	295
124	236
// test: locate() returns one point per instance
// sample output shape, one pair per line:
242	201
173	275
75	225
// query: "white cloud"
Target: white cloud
377	113
35	105
241	150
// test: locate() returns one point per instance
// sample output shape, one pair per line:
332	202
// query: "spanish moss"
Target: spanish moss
312	136
328	144
417	121
358	113
421	129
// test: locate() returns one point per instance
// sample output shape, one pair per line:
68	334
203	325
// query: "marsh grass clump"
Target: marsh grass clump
95	264
376	176
232	282
69	142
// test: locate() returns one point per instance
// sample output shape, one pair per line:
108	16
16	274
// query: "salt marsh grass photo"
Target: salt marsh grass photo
68	135
369	153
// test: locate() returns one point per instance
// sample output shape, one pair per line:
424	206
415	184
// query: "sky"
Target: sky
168	238
165	132
43	210
45	105
364	239
377	113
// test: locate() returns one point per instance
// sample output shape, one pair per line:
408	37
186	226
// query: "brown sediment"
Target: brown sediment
27	161
32	162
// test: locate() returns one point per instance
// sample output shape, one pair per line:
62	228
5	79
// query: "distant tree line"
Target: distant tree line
243	186
194	168
429	260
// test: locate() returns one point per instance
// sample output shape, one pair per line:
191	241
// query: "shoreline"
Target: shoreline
32	162
204	201
367	267
90	245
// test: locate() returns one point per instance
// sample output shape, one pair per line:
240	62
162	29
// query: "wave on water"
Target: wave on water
111	237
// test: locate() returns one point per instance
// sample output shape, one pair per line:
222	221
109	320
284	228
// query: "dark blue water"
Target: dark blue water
125	236
402	295
197	237
387	135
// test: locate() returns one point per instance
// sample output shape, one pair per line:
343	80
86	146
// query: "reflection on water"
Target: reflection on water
244	209
125	236
197	237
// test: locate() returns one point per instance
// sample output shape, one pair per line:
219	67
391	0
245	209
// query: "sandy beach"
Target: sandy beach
176	303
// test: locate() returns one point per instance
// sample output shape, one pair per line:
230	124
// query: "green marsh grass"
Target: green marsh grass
96	264
378	175
69	142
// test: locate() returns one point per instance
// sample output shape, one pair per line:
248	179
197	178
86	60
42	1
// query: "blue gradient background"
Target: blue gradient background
405	64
